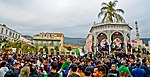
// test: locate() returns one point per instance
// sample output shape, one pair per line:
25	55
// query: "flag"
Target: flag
65	64
140	47
81	52
77	51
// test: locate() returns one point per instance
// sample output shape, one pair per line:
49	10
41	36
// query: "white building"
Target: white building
8	33
25	40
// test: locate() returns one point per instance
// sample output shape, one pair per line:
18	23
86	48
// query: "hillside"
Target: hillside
145	40
74	41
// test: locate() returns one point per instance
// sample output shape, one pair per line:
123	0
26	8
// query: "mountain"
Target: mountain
74	41
145	40
67	40
28	37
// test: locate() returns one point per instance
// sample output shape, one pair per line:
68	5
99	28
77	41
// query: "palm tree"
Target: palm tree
110	13
36	48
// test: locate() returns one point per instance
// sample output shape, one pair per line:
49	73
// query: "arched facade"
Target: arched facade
112	33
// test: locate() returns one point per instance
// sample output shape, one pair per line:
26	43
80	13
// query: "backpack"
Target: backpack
10	74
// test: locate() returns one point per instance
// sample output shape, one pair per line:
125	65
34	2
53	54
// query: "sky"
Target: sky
73	18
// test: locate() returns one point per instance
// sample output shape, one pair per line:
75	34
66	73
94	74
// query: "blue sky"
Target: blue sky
71	17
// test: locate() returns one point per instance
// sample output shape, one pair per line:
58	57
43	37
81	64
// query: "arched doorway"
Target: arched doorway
102	42
117	41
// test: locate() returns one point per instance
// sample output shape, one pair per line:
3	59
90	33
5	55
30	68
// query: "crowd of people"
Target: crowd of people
39	65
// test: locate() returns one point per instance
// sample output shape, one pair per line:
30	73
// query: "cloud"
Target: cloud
71	17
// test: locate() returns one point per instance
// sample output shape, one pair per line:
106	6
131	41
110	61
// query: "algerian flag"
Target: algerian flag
81	52
77	51
140	47
65	64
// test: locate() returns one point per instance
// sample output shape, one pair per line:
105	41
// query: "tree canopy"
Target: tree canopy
110	13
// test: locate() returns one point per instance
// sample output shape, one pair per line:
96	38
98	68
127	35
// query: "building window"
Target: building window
36	42
16	36
51	43
52	36
47	35
42	35
2	30
46	42
10	33
41	42
13	35
6	31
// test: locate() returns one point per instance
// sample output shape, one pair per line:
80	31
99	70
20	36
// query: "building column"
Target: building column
109	40
94	41
131	44
125	42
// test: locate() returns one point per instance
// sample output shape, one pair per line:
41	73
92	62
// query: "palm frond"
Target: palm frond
114	3
120	10
119	18
104	8
104	4
103	20
101	13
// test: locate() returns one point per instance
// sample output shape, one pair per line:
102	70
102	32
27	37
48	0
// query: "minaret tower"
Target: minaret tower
137	31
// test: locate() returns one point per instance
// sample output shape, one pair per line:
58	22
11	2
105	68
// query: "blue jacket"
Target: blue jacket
65	71
138	72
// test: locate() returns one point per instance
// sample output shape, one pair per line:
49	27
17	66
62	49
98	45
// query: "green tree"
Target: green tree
1	41
52	51
36	48
31	48
17	45
110	13
24	48
56	48
46	48
69	48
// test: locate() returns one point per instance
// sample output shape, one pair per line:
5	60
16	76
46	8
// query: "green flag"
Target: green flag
77	51
65	64
140	47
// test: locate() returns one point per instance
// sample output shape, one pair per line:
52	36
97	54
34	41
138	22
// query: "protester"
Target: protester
25	71
3	69
40	72
65	67
117	64
99	71
113	71
138	72
33	71
123	70
81	70
145	66
14	72
53	69
132	65
73	71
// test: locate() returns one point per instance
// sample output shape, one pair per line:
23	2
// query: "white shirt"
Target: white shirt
3	70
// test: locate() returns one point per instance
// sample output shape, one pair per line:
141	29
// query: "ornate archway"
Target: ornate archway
114	32
102	42
117	39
